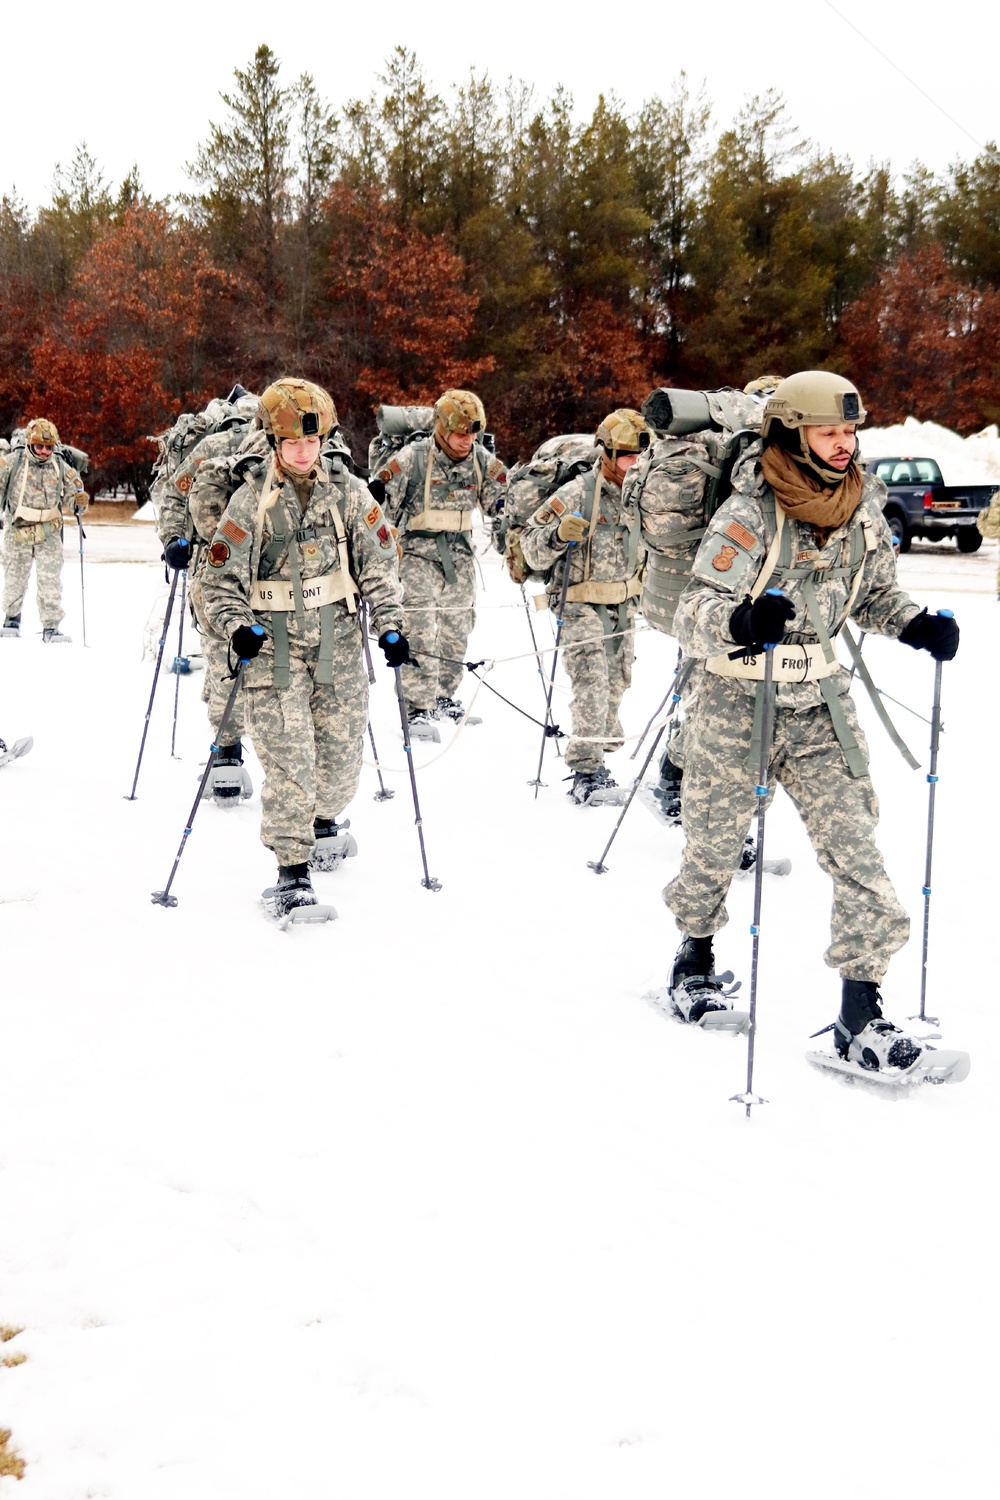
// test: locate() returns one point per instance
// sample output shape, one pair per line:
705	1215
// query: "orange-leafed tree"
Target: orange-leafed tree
398	316
921	342
142	336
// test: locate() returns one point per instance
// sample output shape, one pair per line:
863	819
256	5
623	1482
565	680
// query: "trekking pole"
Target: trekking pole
428	881
78	511
932	781
597	865
164	898
748	1097
383	794
156	678
548	729
177	660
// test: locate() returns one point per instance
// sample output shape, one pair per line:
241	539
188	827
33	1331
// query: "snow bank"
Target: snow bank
971	460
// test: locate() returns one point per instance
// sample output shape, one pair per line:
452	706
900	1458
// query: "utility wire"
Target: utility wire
892	63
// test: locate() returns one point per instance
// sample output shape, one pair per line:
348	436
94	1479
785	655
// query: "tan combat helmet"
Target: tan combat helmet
623	431
41	430
293	408
460	411
812	398
763	385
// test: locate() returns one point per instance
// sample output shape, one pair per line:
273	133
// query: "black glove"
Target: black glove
247	641
937	634
377	490
761	623
396	648
177	553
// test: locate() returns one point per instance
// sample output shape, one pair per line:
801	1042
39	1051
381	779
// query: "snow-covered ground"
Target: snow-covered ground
971	460
430	1201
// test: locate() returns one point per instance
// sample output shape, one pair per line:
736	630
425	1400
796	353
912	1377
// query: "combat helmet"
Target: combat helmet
292	408
623	431
460	411
763	385
41	430
812	398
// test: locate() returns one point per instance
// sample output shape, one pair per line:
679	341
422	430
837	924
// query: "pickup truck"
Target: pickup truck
919	503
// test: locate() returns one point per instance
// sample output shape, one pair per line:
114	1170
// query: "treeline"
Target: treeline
409	242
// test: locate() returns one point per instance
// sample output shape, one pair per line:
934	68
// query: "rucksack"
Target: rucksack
681	480
529	485
176	443
397	426
988	520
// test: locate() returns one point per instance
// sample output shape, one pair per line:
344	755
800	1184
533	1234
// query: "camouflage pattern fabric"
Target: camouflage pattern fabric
307	736
217	683
217	478
607	549
840	811
48	485
439	615
988	522
175	489
599	671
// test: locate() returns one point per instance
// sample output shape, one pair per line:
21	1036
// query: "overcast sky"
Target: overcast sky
140	83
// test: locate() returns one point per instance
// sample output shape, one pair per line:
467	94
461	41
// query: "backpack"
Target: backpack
681	480
988	520
530	484
176	443
397	426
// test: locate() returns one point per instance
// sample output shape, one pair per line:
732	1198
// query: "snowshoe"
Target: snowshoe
596	789
12	626
229	780
183	666
293	899
19	748
333	844
663	798
930	1066
53	636
868	1045
748	861
421	726
451	708
698	996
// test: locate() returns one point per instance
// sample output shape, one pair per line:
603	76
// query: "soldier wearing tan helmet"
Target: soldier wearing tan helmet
431	488
299	546
799	548
35	483
587	527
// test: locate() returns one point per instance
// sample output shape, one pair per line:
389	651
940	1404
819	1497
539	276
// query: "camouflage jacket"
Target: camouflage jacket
729	562
218	477
612	553
235	555
175	490
457	485
29	484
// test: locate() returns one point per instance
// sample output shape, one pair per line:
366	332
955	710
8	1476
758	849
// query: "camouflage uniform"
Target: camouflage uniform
438	566
988	522
305	715
598	635
31	488
179	517
840	809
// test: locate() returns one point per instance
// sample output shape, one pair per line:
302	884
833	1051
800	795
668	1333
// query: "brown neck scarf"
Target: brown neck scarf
802	496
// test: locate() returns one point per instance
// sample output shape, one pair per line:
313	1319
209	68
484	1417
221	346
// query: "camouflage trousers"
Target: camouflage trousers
840	813
440	617
599	669
47	555
215	689
308	738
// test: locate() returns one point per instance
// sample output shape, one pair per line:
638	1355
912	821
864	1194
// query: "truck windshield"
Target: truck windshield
908	471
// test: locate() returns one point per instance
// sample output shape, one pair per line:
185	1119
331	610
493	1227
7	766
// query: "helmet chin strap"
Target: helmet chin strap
811	460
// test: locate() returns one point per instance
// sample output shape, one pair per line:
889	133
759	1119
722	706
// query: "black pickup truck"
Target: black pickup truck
921	504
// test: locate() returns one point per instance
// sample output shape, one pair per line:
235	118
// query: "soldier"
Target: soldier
430	489
988	522
590	516
35	483
184	547
300	541
804	519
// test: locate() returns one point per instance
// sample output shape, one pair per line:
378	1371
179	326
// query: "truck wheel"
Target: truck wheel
968	539
900	530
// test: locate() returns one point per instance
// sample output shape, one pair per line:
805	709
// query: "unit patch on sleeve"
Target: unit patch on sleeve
495	470
218	554
235	533
723	559
383	535
557	506
184	483
373	516
390	471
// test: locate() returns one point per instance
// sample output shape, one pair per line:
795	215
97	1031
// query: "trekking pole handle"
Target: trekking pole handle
775	594
946	614
255	630
392	636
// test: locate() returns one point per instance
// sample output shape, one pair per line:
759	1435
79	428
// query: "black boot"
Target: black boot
333	844
226	781
694	988
294	888
862	1035
667	790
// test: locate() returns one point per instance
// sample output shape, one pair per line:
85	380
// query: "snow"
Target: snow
429	1200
